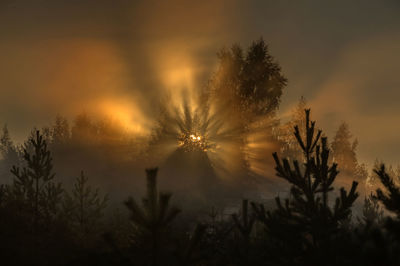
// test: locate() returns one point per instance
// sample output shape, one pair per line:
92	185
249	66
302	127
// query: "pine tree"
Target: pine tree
245	223
84	208
307	221
391	170
391	198
372	213
388	244
34	185
154	218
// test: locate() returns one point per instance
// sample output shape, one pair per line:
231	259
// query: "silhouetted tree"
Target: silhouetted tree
391	198
84	207
252	80
245	223
83	130
5	140
30	210
343	150
377	245
391	170
307	221
60	130
34	185
290	147
372	213
217	238
9	152
154	219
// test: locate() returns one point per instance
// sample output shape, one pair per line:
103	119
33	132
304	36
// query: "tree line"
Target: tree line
44	224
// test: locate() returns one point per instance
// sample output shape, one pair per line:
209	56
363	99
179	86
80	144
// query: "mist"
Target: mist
199	133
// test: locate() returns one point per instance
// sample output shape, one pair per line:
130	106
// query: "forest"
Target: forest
220	179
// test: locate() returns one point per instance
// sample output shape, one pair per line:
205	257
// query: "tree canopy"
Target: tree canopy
251	79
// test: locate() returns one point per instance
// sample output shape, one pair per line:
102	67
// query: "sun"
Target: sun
192	142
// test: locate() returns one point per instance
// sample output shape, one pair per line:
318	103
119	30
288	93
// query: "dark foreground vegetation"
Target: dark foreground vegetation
43	224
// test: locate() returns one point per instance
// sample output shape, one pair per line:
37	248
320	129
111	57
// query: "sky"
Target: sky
68	56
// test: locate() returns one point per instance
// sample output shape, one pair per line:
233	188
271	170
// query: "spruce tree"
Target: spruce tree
344	153
344	150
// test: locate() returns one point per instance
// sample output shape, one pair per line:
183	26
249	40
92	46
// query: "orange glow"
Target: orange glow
126	114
